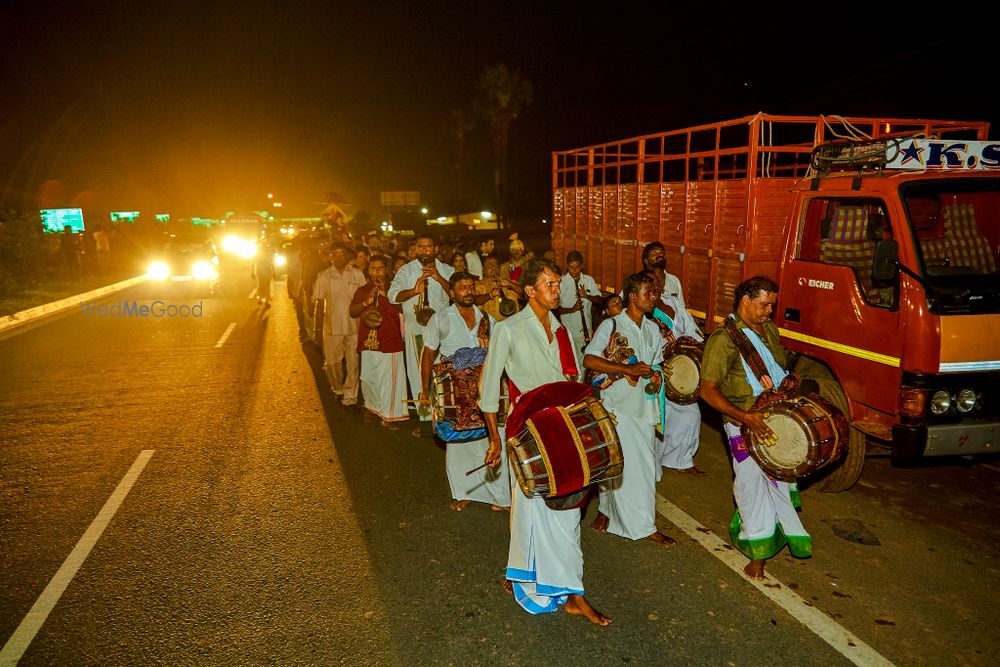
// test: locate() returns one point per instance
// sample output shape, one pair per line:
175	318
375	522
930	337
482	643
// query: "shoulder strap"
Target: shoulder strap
745	348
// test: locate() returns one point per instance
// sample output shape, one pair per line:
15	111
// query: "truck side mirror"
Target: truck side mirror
885	263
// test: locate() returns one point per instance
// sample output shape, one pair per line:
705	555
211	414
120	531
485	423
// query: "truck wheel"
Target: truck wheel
846	473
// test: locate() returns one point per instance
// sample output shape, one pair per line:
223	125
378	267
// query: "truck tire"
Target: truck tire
845	474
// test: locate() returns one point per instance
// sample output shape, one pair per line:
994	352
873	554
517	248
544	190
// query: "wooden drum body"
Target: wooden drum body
561	450
455	408
811	433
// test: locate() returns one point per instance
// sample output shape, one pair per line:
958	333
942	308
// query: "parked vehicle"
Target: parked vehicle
882	234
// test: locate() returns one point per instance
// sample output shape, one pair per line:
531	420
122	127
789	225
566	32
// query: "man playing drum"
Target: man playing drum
628	503
766	518
458	327
680	442
545	561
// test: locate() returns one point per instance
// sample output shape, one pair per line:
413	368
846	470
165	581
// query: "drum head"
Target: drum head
792	447
684	374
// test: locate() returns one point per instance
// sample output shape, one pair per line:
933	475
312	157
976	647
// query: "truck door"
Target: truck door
831	308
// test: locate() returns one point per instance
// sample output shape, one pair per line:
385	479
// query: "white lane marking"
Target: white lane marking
229	330
26	631
822	625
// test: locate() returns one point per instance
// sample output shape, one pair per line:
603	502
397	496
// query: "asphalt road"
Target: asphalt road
270	526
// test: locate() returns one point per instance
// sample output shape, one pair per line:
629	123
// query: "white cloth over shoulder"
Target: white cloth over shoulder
621	397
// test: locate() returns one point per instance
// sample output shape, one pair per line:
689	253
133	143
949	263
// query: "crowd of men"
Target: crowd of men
387	323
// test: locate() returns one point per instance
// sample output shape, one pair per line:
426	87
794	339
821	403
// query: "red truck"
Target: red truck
882	233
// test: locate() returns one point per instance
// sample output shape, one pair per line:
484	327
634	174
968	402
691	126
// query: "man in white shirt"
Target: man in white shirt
577	294
682	435
474	260
428	276
334	288
628	503
545	561
459	326
655	259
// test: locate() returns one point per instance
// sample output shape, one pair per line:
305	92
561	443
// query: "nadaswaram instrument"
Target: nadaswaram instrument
422	309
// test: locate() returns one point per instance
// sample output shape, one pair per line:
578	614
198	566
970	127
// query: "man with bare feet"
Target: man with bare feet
628	502
545	561
766	518
457	333
380	342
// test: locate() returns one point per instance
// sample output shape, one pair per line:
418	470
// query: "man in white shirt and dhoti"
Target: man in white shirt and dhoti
628	502
460	326
577	295
418	285
545	561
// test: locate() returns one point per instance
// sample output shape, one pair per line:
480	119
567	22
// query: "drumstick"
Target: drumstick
475	469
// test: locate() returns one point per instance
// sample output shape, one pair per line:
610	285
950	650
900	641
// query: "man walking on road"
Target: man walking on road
766	517
333	292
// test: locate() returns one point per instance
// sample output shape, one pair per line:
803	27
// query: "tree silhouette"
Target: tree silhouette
502	95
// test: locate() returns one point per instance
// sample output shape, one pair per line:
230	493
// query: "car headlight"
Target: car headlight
967	400
940	402
158	271
203	270
279	260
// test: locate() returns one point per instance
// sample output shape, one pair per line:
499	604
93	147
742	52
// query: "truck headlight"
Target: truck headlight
158	271
940	402
967	400
203	270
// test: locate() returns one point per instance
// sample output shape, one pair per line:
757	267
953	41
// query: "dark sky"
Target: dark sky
196	108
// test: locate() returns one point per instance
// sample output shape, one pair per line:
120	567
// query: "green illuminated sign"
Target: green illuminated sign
162	217
54	219
118	216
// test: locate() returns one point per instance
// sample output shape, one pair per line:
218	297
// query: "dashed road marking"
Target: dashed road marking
26	631
822	625
229	330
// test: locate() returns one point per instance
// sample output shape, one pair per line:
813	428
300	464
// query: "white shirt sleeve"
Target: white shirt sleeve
600	340
399	284
493	367
434	333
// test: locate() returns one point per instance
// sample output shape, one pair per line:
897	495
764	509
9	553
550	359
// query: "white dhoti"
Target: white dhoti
681	433
766	517
629	501
383	384
487	485
545	561
414	347
342	366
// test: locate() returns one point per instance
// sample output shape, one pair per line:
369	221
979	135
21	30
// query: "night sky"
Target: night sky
197	108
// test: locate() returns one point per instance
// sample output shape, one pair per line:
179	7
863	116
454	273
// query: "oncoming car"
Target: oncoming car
195	264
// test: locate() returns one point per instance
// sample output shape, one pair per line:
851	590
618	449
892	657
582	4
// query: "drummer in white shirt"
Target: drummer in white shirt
456	327
545	561
628	502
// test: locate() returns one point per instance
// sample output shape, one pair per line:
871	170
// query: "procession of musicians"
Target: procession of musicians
549	393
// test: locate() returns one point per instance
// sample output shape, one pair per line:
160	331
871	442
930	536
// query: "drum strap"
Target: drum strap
746	349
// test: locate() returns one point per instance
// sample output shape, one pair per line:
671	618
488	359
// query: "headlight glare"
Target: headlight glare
203	270
158	271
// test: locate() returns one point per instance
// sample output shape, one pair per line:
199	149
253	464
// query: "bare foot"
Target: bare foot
390	426
755	570
660	538
416	433
600	523
459	505
577	605
497	508
508	586
694	471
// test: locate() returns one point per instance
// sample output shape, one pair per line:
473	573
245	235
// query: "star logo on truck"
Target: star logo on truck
912	153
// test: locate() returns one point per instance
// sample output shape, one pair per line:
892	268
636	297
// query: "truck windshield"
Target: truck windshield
956	223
